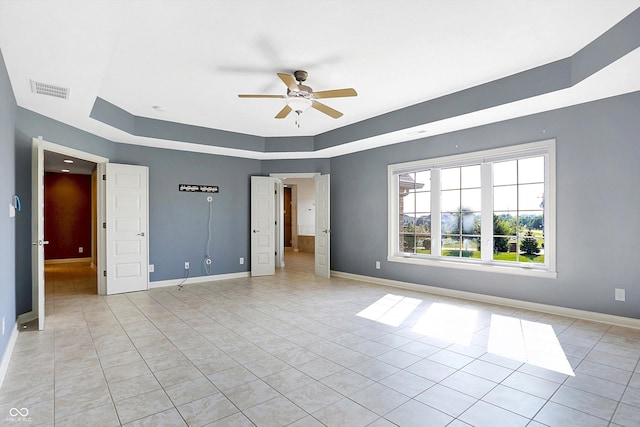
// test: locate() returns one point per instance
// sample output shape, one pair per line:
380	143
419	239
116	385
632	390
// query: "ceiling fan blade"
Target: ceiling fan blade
261	96
290	81
284	112
337	93
326	109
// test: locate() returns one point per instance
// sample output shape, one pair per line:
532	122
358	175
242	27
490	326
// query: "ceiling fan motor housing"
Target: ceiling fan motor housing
300	75
303	91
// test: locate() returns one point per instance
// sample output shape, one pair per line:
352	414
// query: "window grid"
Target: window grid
460	236
474	240
415	214
509	245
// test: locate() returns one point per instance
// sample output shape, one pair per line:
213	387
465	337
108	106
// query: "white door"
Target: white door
37	233
126	221
323	230
263	226
279	198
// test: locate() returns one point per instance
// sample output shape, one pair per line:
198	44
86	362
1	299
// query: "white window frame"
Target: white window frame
546	148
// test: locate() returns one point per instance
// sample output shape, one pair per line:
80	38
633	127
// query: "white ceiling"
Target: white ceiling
192	58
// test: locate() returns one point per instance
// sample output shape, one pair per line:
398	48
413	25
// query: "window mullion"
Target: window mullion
486	224
394	214
436	228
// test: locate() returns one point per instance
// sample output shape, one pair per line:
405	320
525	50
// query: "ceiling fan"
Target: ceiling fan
300	97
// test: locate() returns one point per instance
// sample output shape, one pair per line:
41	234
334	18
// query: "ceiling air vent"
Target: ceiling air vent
49	89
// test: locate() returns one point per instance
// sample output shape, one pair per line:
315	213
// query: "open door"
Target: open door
39	146
127	207
37	232
323	230
263	230
280	209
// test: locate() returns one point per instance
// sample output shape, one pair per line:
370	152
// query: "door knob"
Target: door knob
256	231
141	234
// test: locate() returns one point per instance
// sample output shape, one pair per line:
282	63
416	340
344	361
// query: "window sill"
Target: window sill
489	268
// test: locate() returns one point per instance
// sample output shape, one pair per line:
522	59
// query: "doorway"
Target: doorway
70	223
39	147
301	207
310	233
288	242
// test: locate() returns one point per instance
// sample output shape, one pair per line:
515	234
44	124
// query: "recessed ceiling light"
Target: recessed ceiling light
65	170
68	161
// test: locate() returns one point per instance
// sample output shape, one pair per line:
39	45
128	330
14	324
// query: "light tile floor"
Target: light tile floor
294	349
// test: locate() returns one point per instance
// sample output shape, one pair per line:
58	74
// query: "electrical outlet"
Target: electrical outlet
619	294
80	250
241	260
186	265
377	265
152	268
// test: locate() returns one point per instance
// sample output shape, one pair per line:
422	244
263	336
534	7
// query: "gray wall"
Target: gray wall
598	200
177	221
597	206
7	190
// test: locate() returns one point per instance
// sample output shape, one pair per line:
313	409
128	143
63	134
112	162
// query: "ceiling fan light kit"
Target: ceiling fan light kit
299	104
300	98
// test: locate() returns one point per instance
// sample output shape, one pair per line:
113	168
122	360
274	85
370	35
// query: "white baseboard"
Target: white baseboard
67	260
6	356
593	316
195	280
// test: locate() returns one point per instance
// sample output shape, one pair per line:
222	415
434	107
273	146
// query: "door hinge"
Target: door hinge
104	177
104	225
104	273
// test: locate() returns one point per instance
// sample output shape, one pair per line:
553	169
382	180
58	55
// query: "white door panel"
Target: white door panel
323	229
126	236
262	226
37	232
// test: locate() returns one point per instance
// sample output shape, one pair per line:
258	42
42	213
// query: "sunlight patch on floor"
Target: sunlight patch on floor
526	341
391	309
448	322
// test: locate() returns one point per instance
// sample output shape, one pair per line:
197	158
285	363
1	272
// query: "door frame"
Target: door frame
280	213
39	146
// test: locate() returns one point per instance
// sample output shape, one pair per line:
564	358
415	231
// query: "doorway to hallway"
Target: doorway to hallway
62	280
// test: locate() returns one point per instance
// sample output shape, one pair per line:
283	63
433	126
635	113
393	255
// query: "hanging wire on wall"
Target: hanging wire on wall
207	258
